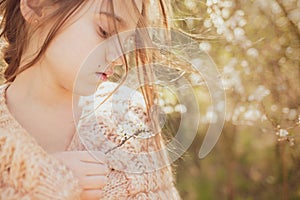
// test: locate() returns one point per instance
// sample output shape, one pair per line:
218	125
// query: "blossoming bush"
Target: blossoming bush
256	46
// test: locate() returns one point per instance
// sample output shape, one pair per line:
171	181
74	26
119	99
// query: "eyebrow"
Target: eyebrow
119	19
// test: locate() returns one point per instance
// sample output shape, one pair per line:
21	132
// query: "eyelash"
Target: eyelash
103	33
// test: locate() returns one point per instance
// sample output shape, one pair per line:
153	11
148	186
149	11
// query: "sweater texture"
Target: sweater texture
119	127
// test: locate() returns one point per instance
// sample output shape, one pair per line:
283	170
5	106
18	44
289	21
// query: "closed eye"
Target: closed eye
103	33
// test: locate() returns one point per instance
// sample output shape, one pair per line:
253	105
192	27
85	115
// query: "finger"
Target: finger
93	182
94	168
92	156
92	195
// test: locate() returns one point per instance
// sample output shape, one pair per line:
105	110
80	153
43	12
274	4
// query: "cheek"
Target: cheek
67	52
63	62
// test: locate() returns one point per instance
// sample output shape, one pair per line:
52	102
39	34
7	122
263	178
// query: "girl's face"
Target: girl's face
92	25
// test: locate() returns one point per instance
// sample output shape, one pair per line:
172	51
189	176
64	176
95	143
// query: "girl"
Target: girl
41	153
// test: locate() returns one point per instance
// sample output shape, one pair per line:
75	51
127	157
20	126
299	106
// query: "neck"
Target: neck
33	88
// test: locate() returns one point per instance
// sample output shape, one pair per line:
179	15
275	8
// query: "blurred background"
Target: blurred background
255	45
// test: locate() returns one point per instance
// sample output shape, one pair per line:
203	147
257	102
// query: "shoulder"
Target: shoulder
25	166
14	156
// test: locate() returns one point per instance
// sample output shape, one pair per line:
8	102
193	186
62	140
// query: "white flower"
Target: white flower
205	46
239	33
168	109
196	79
260	93
292	114
252	114
282	133
225	13
190	4
252	52
207	23
180	108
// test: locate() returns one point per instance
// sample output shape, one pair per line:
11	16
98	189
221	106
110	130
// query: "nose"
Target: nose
114	55
113	58
118	61
110	70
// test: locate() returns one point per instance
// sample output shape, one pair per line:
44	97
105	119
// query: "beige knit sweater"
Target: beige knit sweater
138	167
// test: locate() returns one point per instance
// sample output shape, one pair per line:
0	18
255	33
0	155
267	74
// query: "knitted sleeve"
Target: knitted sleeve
28	172
9	193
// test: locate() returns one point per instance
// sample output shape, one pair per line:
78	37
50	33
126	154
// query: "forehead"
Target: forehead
126	5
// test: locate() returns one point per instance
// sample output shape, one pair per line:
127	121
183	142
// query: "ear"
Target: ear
32	10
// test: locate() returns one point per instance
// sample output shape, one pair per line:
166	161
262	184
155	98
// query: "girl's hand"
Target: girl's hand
91	173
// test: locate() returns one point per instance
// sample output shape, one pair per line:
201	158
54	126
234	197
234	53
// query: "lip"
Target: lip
108	73
102	76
